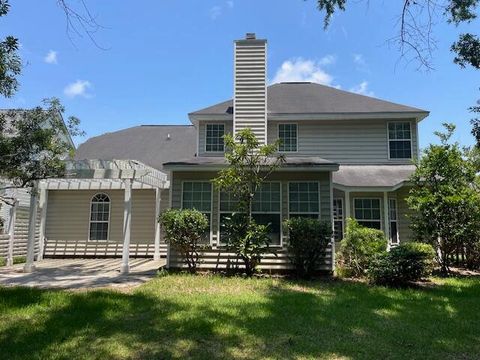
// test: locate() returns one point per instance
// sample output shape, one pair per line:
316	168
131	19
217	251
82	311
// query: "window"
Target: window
399	140
392	217
287	133
338	219
214	137
303	199
367	212
198	195
99	217
265	209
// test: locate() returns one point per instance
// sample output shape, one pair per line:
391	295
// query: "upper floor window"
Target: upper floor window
400	140
214	137
287	133
99	217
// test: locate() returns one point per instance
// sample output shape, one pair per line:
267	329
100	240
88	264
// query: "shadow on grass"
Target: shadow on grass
277	319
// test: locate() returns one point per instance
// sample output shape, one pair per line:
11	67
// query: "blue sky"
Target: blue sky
167	58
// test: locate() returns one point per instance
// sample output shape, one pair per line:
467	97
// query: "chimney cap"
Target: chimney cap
250	36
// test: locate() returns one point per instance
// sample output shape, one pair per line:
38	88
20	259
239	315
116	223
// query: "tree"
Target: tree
34	144
10	63
445	198
249	165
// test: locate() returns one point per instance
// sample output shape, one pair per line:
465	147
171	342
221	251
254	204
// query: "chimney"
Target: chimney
250	86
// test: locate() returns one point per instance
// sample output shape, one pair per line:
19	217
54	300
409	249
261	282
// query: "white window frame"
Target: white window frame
90	221
395	221
205	136
203	212
278	135
220	212
368	198
388	140
280	213
336	218
302	212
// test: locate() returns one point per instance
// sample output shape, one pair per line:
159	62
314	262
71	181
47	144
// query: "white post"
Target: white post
386	223
11	232
347	205
332	221
29	266
156	254
127	220
43	221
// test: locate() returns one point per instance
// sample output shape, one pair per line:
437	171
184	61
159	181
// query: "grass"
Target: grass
16	260
205	317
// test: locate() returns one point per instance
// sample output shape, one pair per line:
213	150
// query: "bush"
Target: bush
358	248
3	261
247	239
407	262
308	240
184	231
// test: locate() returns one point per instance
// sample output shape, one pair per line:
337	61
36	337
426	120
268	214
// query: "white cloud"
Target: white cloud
51	57
359	59
362	89
230	4
215	12
304	70
327	60
78	88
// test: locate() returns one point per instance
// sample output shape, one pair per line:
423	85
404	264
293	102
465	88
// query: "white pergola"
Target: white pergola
98	175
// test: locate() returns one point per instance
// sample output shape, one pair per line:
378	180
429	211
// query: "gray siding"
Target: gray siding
202	137
344	141
218	257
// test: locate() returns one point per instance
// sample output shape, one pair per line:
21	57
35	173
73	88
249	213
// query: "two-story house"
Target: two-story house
347	155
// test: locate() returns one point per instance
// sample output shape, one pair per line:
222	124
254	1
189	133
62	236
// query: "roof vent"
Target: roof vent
250	36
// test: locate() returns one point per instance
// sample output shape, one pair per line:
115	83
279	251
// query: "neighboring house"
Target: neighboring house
15	218
347	155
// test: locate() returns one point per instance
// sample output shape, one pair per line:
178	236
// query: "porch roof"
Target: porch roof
107	174
216	163
390	177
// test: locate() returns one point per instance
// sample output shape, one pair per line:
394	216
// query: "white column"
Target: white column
332	221
43	221
29	266
386	223
156	254
347	205
127	220
11	232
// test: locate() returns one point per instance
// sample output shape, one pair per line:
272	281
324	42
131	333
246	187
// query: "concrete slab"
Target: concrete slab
80	273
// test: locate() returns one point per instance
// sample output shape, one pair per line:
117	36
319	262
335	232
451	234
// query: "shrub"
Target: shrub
472	251
308	240
184	231
358	248
247	239
407	262
3	261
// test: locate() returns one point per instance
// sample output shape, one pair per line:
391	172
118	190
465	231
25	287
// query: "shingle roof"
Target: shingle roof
311	98
372	175
150	145
311	161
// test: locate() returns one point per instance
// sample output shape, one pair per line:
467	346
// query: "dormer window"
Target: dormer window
287	133
399	140
214	138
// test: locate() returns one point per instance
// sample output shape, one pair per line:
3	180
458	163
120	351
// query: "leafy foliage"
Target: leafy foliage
308	241
467	48
445	198
358	248
184	231
247	239
34	143
249	165
10	62
407	262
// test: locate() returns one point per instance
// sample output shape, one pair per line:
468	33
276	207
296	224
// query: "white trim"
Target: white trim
369	220
332	223
278	137
285	168
300	212
43	221
29	264
157	238
343	214
388	140
109	216
369	188
394	198
211	203
205	143
348	206
386	222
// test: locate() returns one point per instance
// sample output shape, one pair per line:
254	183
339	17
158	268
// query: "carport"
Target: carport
90	174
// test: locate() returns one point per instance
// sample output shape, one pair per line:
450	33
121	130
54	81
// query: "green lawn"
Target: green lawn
206	317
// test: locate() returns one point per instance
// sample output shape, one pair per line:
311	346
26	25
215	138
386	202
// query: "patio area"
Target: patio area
81	273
